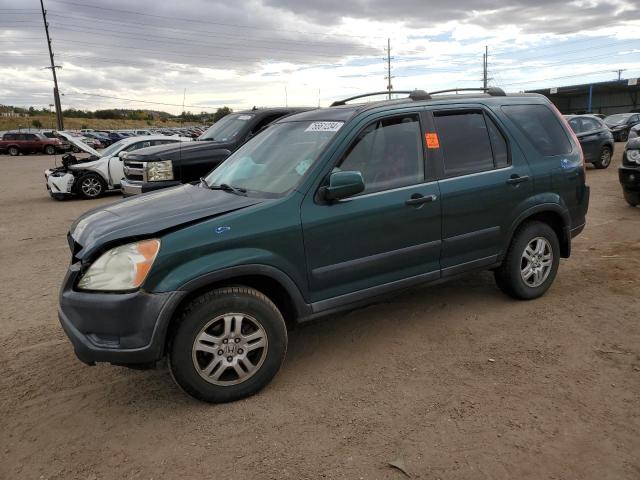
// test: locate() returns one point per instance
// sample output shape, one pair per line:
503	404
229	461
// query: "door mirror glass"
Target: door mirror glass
343	185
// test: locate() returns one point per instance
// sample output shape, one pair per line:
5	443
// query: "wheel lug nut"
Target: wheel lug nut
225	341
240	351
220	352
229	359
237	340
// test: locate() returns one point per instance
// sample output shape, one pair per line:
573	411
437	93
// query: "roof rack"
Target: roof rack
493	91
423	95
413	95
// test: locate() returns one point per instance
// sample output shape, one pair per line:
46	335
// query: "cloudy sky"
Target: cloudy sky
146	53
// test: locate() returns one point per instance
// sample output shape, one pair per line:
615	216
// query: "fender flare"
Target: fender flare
565	241
302	308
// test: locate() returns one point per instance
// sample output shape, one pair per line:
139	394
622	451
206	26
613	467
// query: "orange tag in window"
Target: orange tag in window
432	140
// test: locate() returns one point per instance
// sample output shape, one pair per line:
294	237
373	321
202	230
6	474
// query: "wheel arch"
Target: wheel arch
554	216
268	280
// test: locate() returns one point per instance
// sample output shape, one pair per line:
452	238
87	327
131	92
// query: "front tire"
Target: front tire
229	343
14	151
531	263
632	198
91	185
50	150
605	158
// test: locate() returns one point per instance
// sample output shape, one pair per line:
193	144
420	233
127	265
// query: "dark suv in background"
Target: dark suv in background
595	139
324	211
169	166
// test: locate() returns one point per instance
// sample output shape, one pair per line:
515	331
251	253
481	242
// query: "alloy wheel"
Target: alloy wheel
605	157
91	187
536	262
229	349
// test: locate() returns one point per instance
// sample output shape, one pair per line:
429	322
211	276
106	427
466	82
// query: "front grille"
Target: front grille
134	170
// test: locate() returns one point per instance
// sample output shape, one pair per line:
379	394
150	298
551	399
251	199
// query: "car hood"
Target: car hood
175	150
633	143
79	143
149	214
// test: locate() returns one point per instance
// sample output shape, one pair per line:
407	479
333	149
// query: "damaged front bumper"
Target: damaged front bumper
59	182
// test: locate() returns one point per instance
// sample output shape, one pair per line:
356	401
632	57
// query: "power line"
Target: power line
207	22
558	78
207	33
177	40
140	101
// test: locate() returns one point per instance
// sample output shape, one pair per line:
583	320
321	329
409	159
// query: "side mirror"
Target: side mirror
122	154
343	185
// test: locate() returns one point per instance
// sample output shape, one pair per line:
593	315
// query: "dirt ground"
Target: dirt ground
454	381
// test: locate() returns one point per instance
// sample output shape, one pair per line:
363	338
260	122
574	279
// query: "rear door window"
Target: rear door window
465	142
541	127
590	124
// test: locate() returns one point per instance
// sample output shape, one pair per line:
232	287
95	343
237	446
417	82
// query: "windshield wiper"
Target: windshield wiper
228	188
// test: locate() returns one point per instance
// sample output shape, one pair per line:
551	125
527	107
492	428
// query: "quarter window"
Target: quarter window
541	127
388	153
464	140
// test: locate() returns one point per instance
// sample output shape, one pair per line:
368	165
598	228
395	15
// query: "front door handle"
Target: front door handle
516	179
417	199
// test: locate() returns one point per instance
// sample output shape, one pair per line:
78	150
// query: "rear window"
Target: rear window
541	127
9	136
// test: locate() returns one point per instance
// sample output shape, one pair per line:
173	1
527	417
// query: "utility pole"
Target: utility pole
485	63
56	92
389	77
619	72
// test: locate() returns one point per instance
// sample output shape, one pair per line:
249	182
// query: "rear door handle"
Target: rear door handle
515	179
417	199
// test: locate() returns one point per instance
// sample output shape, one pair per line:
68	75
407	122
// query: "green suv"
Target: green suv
324	211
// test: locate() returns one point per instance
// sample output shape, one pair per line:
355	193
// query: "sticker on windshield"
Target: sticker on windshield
244	117
324	127
303	166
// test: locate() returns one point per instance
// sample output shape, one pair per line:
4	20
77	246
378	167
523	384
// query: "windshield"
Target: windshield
275	161
226	128
113	148
617	119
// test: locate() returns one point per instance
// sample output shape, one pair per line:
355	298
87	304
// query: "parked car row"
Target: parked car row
43	141
101	171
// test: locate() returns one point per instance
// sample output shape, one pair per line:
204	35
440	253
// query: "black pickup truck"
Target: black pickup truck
171	165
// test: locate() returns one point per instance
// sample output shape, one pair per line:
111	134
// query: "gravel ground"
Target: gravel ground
453	381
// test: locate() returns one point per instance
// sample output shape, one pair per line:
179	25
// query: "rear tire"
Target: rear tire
49	150
605	158
531	263
228	344
91	185
14	151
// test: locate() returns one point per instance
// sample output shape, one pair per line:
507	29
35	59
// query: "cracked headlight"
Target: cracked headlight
121	268
159	171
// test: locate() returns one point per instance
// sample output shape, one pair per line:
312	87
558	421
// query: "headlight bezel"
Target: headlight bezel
101	276
633	156
159	171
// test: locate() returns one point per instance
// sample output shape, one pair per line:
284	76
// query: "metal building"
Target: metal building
616	96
